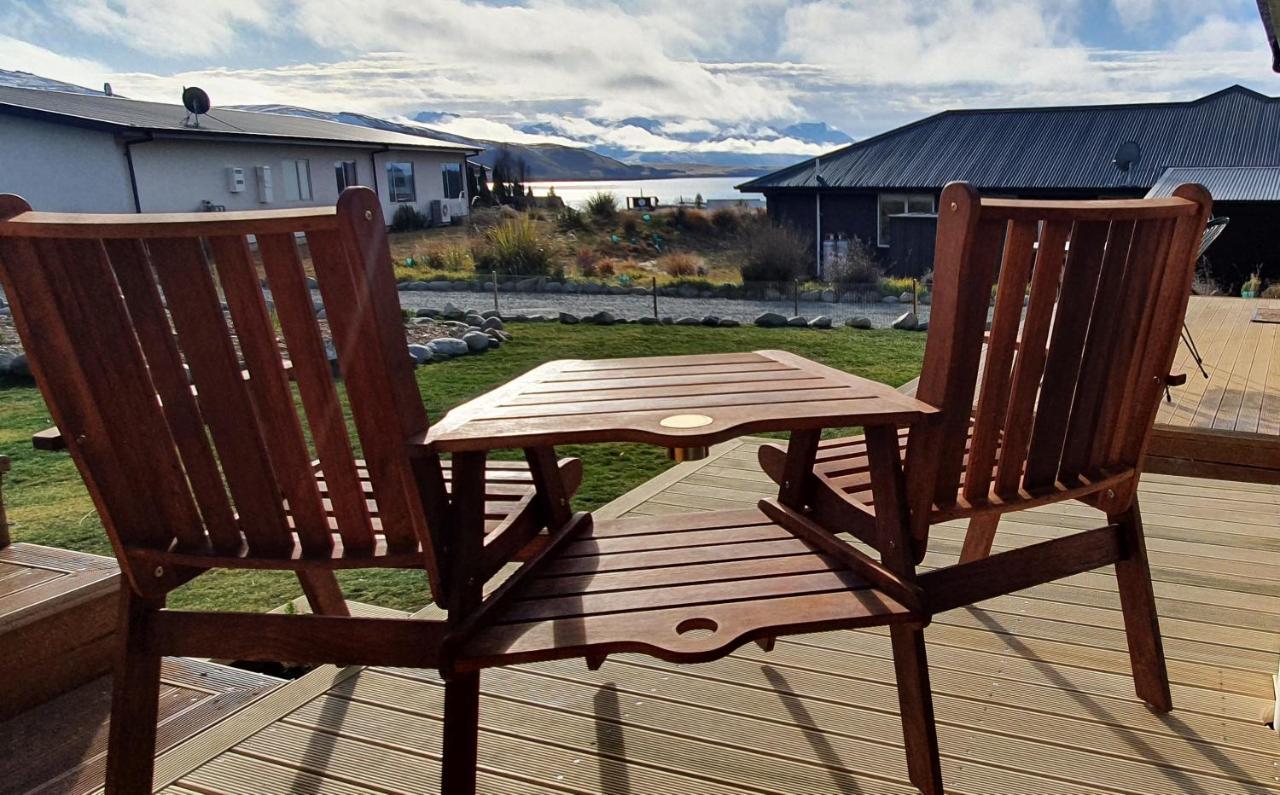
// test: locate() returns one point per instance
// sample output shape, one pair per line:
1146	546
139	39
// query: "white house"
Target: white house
96	153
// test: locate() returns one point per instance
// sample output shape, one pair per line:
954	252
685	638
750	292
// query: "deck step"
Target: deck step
57	622
59	746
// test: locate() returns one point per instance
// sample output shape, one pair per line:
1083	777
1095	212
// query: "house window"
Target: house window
400	182
452	174
297	180
345	171
895	203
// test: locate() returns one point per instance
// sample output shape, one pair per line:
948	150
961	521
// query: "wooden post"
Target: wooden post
654	290
494	276
915	309
795	296
4	519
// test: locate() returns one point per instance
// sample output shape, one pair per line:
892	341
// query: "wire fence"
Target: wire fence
681	301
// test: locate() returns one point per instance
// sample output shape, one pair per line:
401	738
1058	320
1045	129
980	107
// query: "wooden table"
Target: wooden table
673	401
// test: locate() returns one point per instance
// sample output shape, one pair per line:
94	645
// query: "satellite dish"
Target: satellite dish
196	101
1127	155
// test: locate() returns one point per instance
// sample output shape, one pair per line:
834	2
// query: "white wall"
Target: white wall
60	168
176	175
427	177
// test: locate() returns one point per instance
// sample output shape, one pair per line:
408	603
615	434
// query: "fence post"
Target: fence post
4	520
654	290
795	296
915	309
494	275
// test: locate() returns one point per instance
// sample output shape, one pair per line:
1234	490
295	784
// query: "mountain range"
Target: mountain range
587	149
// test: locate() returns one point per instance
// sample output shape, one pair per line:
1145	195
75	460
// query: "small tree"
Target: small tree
698	203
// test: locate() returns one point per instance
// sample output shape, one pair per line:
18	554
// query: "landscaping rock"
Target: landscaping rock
907	321
426	312
421	353
474	320
809	295
905	298
648	320
799	321
312	284
639	291
571	287
821	321
829	296
771	320
926	298
668	320
567	317
20	366
552	287
688	321
492	323
772	294
6	360
439	287
889	299
424	321
462	285
449	346
923	325
711	320
602	318
488	287
452	312
477	341
687	291
616	290
527	285
728	322
858	322
488	313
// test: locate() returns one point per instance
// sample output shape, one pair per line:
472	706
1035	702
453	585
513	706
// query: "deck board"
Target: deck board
1032	690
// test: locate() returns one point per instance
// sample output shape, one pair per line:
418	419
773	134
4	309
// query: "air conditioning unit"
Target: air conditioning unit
438	212
446	215
235	179
265	193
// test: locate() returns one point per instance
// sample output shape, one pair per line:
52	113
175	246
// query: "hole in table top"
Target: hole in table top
685	421
697	626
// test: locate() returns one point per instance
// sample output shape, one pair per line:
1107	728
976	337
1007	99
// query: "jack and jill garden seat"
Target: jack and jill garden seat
1059	407
224	469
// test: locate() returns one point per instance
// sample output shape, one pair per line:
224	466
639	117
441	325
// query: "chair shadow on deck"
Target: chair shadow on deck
610	741
318	753
1129	737
800	717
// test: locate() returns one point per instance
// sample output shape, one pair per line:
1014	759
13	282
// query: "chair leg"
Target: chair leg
461	734
979	536
1141	622
323	593
135	696
915	700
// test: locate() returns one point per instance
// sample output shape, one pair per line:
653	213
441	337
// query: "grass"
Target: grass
48	503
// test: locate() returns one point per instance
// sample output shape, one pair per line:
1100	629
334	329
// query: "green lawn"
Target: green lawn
48	504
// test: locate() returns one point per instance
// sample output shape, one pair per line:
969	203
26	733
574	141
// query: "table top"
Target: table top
671	401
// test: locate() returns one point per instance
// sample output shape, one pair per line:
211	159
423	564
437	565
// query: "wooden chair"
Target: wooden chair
213	467
216	471
1061	410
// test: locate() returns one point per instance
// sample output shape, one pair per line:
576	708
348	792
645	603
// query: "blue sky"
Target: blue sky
577	67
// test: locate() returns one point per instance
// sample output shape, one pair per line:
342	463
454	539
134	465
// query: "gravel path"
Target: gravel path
634	306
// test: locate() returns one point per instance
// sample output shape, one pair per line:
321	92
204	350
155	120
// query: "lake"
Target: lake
669	191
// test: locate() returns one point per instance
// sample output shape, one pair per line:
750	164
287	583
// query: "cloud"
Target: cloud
173	28
22	56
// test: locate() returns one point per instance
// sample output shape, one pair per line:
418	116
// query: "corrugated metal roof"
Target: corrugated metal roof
123	114
1051	148
1225	184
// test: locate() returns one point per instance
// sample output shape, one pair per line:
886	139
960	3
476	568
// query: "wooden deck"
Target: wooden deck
1229	424
1032	691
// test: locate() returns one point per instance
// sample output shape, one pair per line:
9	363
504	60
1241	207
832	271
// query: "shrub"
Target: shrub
777	253
514	247
860	266
630	226
727	219
585	258
571	220
454	258
1272	291
695	221
602	206
408	219
607	267
897	285
680	264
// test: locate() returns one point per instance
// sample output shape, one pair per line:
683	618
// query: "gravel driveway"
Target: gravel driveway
634	306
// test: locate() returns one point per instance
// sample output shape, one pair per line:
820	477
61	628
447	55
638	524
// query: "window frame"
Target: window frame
344	178
905	199
456	168
392	195
297	167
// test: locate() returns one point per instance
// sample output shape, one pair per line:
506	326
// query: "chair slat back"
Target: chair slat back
180	413
1089	296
